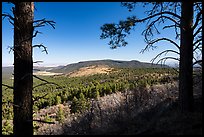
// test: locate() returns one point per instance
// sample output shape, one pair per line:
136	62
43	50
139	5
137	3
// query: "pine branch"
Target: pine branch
4	15
10	87
150	43
160	13
148	31
197	47
36	69
42	84
198	18
44	22
11	103
170	26
165	58
198	31
163	52
38	62
47	82
41	45
198	62
36	32
39	97
197	41
42	121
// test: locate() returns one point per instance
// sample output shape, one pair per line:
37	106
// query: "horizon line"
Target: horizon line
171	63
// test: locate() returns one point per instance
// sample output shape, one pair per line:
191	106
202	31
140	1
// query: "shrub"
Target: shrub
60	115
74	105
57	100
48	119
7	129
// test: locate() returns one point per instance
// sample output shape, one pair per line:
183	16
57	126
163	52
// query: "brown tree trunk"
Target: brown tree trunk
186	58
23	68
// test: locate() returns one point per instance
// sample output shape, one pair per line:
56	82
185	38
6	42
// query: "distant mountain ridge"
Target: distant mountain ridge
7	71
111	63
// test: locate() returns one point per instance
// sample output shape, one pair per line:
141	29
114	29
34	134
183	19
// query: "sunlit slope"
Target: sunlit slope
91	70
111	63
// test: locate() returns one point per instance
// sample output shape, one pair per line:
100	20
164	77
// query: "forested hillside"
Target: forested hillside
111	63
77	92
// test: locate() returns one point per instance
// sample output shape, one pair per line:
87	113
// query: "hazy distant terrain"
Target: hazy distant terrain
111	63
71	68
7	72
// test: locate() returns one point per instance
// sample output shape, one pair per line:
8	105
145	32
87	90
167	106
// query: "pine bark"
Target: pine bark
23	68
186	58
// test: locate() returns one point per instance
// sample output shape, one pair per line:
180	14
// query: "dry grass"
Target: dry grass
45	73
91	70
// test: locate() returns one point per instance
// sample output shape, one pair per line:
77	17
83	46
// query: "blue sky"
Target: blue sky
77	34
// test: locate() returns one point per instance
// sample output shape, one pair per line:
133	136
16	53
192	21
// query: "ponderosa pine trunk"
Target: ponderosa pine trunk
23	68
186	58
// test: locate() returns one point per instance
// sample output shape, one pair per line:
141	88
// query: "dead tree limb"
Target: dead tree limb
43	22
47	82
39	97
165	58
150	43
42	121
10	87
41	45
163	52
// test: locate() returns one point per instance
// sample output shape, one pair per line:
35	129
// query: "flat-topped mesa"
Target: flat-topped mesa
111	63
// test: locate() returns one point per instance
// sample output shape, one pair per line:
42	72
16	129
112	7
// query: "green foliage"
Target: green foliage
35	127
48	119
79	90
7	129
75	105
60	115
57	100
82	103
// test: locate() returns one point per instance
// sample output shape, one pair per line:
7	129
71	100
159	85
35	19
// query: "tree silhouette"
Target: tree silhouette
24	27
181	16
